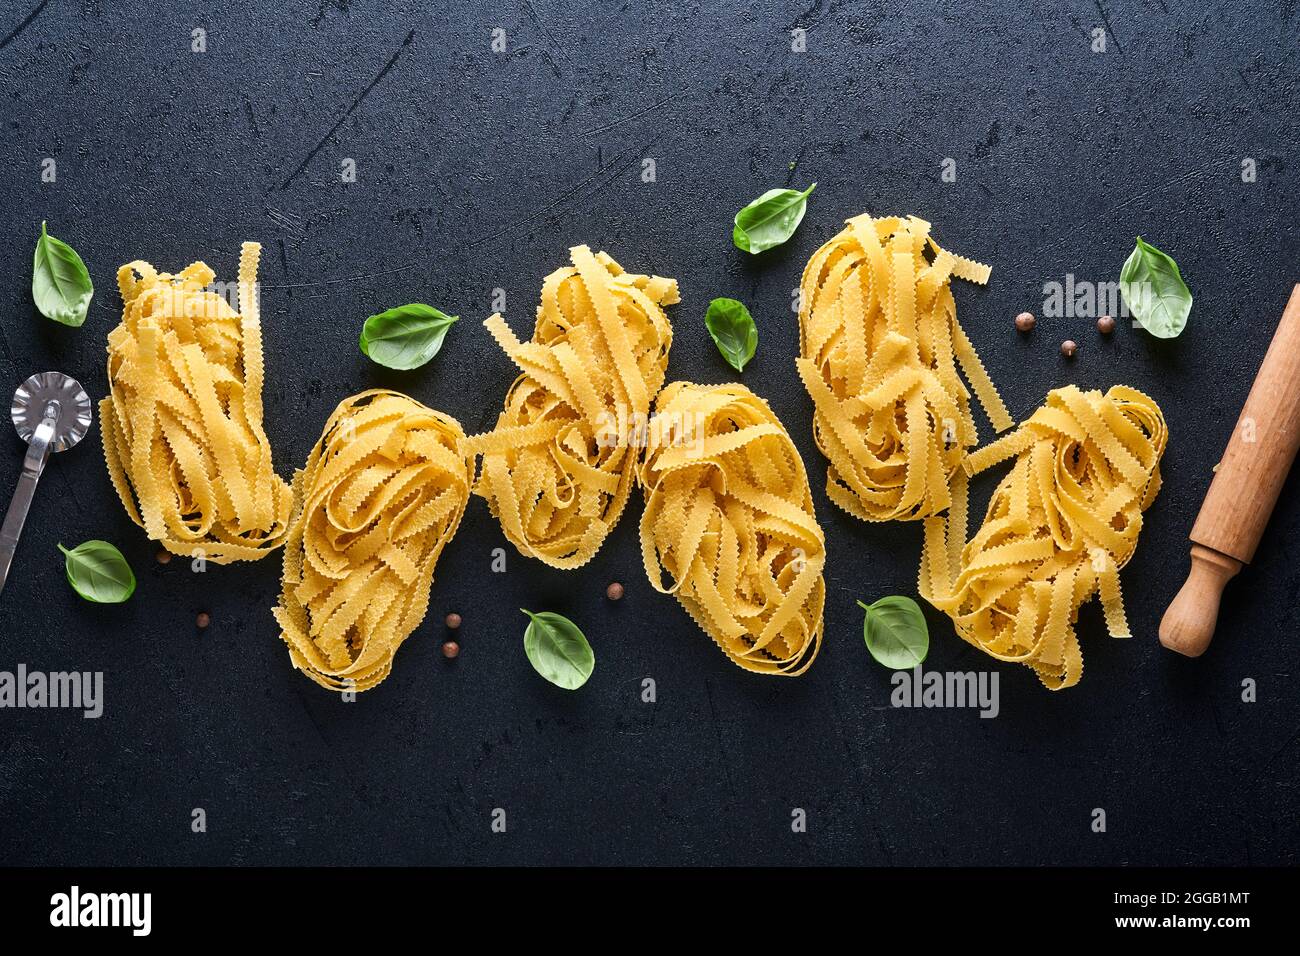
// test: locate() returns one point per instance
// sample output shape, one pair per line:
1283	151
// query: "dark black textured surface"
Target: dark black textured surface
478	170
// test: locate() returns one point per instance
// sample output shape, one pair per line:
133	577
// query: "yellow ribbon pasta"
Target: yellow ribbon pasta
1057	531
182	425
729	516
879	349
558	468
382	493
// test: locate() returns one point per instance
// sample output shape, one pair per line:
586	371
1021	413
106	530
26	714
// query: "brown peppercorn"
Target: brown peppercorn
203	620
614	592
1106	324
453	620
164	556
1025	322
450	649
1068	348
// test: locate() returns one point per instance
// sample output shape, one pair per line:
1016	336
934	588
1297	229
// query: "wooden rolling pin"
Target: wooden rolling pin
1244	489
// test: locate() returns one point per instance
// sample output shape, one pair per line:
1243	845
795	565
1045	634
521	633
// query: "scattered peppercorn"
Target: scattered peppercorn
1106	324
164	556
1068	348
203	620
614	592
1025	322
453	620
450	649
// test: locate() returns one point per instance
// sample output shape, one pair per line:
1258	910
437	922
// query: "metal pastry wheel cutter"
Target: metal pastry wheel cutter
52	413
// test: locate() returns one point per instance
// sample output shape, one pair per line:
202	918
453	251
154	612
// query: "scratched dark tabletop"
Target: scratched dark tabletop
477	170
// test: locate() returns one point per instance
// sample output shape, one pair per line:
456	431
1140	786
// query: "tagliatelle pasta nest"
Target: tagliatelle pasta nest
182	425
1057	531
381	494
558	468
729	516
880	347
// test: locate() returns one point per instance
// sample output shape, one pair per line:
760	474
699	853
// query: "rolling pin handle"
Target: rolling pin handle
1189	623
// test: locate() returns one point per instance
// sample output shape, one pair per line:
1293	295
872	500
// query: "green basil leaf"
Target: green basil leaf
98	572
733	331
405	337
61	285
895	632
558	650
770	219
1154	291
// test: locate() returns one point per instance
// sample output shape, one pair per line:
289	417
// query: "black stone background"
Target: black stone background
479	170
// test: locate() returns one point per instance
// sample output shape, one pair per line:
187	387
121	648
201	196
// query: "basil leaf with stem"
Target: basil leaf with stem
98	572
895	631
733	331
1154	291
61	286
405	337
770	219
558	650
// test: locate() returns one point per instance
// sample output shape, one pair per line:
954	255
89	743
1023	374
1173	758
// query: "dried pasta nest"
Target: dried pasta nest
382	493
880	347
729	518
1059	527
558	468
182	425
